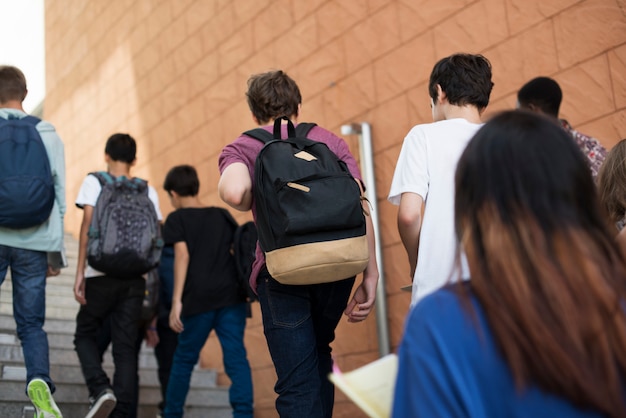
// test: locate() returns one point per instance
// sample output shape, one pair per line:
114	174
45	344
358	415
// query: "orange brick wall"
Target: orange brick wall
173	74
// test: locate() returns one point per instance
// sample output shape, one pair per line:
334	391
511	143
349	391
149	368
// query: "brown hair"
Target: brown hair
12	84
543	263
612	182
273	94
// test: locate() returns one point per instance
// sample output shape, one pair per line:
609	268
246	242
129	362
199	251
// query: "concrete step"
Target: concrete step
201	378
76	393
73	400
64	362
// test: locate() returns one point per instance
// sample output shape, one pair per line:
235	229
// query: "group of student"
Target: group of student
204	295
518	276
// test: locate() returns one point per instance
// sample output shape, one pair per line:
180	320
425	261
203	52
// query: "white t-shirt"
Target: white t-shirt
88	195
426	166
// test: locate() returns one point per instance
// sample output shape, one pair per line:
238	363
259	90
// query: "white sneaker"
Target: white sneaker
41	397
103	405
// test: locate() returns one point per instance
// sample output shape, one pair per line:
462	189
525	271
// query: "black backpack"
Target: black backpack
26	184
124	238
310	220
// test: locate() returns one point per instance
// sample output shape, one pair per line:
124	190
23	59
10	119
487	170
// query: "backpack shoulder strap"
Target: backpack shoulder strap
138	181
33	120
102	176
260	134
302	130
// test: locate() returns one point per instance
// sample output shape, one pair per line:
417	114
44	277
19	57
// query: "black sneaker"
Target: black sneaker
103	405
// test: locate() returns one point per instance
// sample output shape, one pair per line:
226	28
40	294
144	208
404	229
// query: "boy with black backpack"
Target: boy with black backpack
32	206
299	320
119	242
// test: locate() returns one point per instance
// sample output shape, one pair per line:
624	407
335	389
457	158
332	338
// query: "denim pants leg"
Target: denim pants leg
230	323
28	277
299	324
196	331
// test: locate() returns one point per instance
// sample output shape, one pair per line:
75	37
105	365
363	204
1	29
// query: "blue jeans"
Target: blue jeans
229	324
28	276
299	324
120	299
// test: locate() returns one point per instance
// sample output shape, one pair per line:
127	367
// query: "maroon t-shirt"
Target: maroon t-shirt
245	150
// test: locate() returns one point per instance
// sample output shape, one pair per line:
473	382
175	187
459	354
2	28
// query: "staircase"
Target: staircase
205	398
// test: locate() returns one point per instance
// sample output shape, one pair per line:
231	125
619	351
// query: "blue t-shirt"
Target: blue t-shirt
449	366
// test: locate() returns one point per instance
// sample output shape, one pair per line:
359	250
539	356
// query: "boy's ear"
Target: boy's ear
441	95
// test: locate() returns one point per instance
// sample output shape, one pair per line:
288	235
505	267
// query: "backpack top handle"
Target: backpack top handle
291	131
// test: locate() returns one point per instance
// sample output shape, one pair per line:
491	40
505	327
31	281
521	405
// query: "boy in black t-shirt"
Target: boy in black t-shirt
206	293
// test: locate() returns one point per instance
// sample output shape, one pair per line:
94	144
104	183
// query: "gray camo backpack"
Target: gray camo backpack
124	235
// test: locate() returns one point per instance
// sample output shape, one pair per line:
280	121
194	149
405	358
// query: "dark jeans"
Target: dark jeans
299	324
28	277
121	299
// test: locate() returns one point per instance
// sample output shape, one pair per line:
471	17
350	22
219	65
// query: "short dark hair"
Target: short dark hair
182	179
465	78
542	92
273	94
12	84
121	147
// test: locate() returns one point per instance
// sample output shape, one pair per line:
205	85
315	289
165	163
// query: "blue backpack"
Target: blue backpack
26	183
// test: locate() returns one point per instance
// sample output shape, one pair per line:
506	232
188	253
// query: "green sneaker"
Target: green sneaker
40	396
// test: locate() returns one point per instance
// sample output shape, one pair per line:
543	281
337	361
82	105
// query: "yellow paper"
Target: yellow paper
371	386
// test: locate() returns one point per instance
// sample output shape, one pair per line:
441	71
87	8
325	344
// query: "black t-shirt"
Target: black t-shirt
211	281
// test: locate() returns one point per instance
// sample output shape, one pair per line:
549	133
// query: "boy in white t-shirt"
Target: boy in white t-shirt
459	88
102	296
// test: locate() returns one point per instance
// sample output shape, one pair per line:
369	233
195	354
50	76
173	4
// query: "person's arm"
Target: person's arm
362	302
235	187
410	225
79	282
181	264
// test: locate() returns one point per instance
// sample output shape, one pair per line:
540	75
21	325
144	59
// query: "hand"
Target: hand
79	288
175	323
362	301
52	271
151	336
